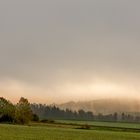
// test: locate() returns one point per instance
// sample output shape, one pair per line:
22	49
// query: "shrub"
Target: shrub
47	121
86	126
35	118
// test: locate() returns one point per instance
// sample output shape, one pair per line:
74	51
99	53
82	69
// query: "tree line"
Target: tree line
53	112
23	112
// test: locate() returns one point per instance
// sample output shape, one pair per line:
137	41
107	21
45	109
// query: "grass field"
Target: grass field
62	132
108	124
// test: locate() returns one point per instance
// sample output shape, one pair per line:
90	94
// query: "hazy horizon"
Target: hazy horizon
57	51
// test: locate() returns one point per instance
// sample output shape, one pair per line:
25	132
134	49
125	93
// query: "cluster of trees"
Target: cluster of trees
53	112
20	113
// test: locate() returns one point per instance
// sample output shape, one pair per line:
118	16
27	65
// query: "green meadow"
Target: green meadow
69	131
104	124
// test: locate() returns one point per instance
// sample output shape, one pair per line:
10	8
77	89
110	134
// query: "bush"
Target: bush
35	118
86	126
47	121
6	118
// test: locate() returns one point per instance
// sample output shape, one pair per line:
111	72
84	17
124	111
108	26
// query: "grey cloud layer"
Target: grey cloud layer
41	41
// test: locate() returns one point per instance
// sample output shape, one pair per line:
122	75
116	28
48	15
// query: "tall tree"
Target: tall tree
23	112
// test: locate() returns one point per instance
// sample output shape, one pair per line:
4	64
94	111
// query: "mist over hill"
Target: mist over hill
104	106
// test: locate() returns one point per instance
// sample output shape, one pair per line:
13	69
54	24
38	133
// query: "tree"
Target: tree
115	116
7	111
123	117
23	112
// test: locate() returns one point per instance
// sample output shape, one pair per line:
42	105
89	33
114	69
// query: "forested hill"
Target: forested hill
104	106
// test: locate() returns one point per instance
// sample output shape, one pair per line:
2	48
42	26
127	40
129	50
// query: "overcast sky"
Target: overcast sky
61	50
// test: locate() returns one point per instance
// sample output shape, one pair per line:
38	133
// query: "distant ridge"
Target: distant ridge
104	106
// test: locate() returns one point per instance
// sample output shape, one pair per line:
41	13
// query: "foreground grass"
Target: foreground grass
16	132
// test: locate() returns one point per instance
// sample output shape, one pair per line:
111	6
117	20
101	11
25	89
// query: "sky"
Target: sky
69	50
